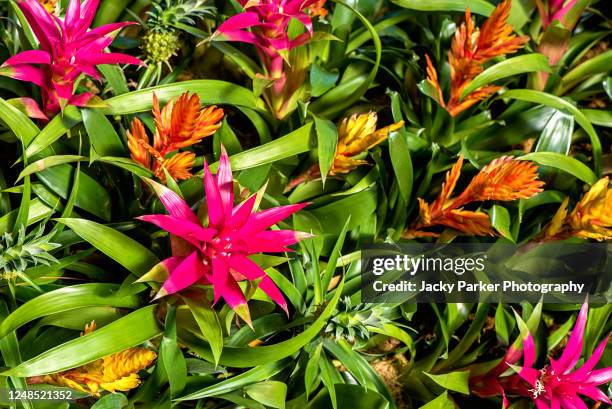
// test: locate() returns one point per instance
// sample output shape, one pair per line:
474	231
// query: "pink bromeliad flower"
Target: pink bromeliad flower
68	49
555	10
218	253
556	386
265	23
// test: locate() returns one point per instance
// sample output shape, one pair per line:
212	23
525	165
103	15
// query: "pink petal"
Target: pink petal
26	73
184	275
529	351
225	183
29	57
555	403
540	404
73	14
239	22
29	107
530	375
111	58
241	213
264	219
600	376
269	287
594	393
274	241
173	203
252	271
108	28
81	100
221	278
573	350
88	12
41	22
193	233
214	202
591	363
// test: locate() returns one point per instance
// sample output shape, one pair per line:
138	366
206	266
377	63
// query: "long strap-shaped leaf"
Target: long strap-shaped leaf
64	299
250	357
127	332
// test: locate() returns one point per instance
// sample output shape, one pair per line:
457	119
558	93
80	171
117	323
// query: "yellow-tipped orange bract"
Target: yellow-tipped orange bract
591	218
470	50
180	124
116	372
504	179
356	135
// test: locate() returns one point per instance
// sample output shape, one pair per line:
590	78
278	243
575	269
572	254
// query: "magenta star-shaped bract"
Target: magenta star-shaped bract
556	386
218	253
68	49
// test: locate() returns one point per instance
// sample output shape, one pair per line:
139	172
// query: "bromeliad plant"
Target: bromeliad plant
218	253
238	176
68	50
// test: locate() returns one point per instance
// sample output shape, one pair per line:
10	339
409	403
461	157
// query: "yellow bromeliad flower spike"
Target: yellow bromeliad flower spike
356	135
590	219
116	372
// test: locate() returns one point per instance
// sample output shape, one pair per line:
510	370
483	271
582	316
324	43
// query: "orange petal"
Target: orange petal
503	179
137	141
179	166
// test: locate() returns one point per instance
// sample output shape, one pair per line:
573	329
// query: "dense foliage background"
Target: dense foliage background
391	120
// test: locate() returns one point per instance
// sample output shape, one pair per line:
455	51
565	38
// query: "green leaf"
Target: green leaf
171	355
124	163
321	81
402	163
91	197
508	68
359	206
210	326
111	401
329	377
257	374
102	135
124	250
351	397
441	402
481	7
37	212
327	139
127	332
345	95
454	381
592	66
65	299
599	117
500	219
248	357
18	122
312	370
54	130
114	76
210	91
289	145
48	162
269	393
504	323
565	163
555	102
557	134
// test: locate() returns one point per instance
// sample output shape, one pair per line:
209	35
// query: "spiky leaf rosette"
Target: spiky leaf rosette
19	251
170	13
351	322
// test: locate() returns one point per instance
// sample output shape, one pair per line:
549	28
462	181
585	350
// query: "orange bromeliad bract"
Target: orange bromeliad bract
504	179
180	124
116	372
470	50
356	135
